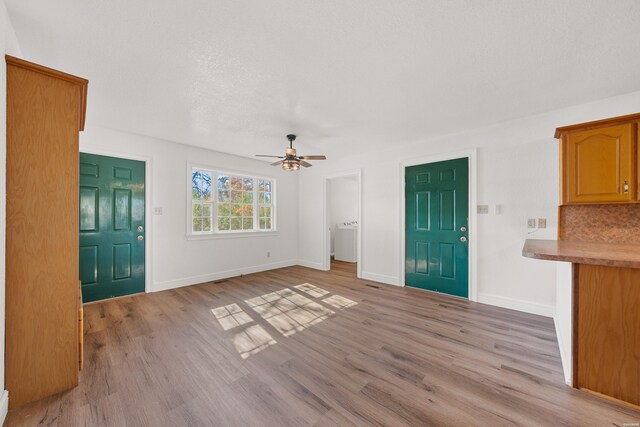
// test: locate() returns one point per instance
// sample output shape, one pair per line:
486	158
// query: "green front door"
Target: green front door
437	213
112	227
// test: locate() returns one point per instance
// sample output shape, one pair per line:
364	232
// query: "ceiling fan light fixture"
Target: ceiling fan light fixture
290	165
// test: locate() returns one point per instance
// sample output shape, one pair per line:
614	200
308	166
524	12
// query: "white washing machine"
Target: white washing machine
345	245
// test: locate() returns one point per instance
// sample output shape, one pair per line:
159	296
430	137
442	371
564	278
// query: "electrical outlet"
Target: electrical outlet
499	209
483	209
157	210
542	222
268	254
531	223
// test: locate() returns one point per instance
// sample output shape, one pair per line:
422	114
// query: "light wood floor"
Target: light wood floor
259	351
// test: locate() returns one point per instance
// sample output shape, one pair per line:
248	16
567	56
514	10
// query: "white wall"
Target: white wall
8	44
177	261
517	168
342	201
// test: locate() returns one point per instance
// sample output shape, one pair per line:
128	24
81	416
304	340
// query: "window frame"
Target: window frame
215	233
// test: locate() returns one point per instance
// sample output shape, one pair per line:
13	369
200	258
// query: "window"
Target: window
226	202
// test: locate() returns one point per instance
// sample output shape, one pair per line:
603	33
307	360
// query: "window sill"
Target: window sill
215	236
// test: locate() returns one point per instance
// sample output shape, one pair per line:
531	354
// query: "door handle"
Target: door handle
140	228
463	228
140	237
463	239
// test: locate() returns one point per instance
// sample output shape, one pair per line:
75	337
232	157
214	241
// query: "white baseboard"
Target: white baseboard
194	280
311	264
4	406
517	304
271	266
389	280
566	361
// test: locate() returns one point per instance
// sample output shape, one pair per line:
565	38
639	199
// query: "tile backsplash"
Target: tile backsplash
611	223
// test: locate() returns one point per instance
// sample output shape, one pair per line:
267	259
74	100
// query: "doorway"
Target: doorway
112	226
436	227
343	223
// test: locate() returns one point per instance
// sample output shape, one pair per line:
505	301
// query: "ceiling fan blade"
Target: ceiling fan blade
305	164
313	157
268	155
279	162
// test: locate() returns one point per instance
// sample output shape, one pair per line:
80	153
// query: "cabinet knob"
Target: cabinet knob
626	187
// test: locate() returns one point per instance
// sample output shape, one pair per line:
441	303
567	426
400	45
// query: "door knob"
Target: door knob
140	237
140	228
463	239
463	228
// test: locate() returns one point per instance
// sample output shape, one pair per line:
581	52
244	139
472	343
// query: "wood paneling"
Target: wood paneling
400	356
44	116
609	332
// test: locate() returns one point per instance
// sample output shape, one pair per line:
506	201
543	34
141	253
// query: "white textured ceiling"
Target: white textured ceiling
236	76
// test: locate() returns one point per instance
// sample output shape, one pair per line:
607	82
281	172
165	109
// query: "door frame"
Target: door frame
326	247
471	154
148	205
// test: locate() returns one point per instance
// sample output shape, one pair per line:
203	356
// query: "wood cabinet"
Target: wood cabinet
607	331
599	161
45	112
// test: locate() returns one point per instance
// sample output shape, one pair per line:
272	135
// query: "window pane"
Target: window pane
268	224
247	210
223	195
247	184
261	184
223	182
261	198
247	223
224	209
236	210
265	212
236	183
223	223
197	224
201	185
263	223
206	224
267	197
247	197
267	186
206	210
197	210
236	223
236	196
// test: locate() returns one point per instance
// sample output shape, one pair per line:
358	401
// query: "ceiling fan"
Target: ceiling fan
291	161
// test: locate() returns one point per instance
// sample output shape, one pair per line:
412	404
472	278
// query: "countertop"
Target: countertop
609	254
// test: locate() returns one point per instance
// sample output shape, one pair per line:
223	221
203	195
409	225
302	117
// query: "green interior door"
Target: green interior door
112	228
437	222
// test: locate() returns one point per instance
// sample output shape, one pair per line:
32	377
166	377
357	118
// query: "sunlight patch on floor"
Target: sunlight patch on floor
285	310
252	340
231	316
339	302
288	311
312	290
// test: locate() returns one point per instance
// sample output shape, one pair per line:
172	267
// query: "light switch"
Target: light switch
483	209
531	223
499	209
542	222
157	210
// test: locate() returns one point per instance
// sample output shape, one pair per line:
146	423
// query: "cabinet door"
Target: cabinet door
600	165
